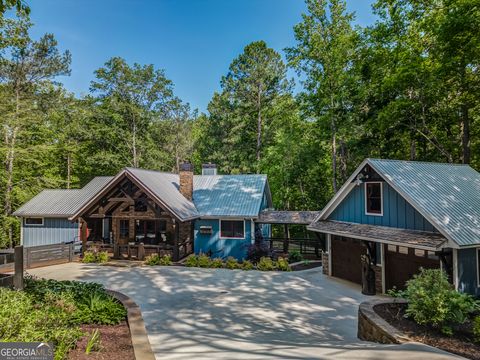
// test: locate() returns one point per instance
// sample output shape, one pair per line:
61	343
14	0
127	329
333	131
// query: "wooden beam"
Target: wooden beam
83	235
286	241
176	252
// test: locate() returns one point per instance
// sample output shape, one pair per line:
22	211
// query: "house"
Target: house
175	213
399	216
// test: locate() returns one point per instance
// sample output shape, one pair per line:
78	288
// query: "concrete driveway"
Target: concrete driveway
224	314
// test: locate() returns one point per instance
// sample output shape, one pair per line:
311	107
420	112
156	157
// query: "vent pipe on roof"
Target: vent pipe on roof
209	169
186	180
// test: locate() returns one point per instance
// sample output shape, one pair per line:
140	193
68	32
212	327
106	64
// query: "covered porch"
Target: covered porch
309	244
130	223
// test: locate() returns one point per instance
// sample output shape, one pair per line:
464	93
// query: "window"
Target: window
403	250
232	229
33	221
420	253
373	198
478	267
124	226
392	248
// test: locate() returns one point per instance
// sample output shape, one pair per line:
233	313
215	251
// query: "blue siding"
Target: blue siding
467	271
221	247
53	231
396	211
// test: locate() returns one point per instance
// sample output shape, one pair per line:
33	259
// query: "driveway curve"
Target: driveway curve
224	314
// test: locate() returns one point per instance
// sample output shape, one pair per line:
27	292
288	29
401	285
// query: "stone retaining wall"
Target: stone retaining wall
372	327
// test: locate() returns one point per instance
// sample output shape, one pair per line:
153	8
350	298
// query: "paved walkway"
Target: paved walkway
224	314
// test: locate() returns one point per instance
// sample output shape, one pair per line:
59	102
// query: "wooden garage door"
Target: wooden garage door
346	258
401	263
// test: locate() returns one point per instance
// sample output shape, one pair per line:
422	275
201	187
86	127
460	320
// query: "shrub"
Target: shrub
294	256
258	250
152	260
203	261
102	257
247	265
476	329
89	257
433	301
165	260
266	264
216	263
282	265
95	256
232	263
191	261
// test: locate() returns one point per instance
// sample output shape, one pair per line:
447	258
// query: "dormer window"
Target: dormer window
373	198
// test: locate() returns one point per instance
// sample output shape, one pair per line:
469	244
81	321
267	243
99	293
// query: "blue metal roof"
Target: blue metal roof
229	195
446	194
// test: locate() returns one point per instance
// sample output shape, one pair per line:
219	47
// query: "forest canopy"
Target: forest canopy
406	87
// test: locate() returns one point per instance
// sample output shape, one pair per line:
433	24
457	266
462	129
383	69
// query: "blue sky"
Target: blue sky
194	41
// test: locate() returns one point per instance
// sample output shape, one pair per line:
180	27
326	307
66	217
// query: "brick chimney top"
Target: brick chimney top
186	180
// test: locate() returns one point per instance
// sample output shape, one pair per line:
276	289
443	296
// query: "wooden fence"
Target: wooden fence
12	258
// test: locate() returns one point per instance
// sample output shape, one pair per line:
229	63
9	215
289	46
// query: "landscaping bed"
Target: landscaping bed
305	265
116	343
59	312
461	342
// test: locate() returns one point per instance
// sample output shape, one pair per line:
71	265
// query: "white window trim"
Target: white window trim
33	217
228	237
381	198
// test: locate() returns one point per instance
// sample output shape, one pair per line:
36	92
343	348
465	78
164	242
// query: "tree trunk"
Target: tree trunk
259	127
69	170
134	144
465	134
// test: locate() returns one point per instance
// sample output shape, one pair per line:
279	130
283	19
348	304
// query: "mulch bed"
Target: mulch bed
306	266
460	343
115	343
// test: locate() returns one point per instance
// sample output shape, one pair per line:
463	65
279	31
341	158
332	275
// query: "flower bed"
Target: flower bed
54	311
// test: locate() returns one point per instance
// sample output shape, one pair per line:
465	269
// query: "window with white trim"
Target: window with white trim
234	229
373	198
33	221
478	267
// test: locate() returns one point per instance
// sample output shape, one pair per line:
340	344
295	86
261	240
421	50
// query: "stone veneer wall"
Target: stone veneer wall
325	256
378	279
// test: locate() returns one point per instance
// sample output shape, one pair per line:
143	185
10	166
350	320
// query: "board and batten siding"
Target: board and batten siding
221	248
397	212
53	231
468	271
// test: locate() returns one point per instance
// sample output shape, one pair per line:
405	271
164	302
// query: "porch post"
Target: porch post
286	241
176	254
83	235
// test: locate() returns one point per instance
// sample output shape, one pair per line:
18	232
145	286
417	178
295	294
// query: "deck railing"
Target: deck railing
306	246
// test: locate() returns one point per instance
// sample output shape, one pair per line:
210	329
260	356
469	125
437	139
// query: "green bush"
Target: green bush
232	263
152	260
166	260
247	265
203	261
89	257
266	264
294	256
216	263
95	257
476	329
282	265
191	261
433	301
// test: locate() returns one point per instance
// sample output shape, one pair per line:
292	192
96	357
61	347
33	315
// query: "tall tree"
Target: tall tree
326	45
25	66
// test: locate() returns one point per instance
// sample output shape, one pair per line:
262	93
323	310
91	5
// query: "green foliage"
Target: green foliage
216	263
232	263
95	256
152	260
294	256
191	261
247	265
266	264
203	261
476	329
94	342
433	301
165	260
283	265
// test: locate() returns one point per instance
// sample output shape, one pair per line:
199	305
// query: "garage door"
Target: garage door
401	263
346	258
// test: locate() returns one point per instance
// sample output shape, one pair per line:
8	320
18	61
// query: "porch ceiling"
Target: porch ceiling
382	234
287	217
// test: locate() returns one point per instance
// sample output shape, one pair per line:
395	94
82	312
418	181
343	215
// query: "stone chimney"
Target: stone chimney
186	180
